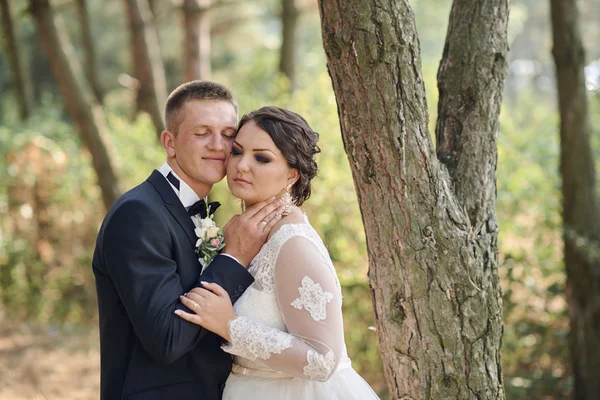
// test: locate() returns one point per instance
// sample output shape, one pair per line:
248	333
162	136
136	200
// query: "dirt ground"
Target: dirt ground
47	364
43	364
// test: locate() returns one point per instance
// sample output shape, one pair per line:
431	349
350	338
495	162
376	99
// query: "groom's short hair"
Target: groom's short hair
194	90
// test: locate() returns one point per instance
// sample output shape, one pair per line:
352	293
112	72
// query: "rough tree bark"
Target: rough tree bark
287	57
14	59
581	223
85	112
147	63
196	41
431	230
89	50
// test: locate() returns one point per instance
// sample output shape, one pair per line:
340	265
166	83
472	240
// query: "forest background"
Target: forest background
51	206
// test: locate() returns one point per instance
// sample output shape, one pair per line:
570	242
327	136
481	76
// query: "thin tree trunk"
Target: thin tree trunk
147	63
14	59
470	82
432	266
581	224
287	58
89	50
84	111
196	41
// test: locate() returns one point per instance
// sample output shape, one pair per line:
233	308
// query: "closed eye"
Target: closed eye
263	159
235	152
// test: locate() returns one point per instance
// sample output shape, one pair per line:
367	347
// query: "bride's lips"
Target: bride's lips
241	180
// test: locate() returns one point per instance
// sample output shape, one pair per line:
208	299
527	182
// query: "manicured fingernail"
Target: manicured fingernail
184	295
178	312
203	282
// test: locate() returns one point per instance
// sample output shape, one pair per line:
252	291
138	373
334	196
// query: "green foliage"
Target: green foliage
534	353
50	209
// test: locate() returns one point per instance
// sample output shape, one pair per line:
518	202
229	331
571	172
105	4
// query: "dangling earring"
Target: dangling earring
288	200
243	206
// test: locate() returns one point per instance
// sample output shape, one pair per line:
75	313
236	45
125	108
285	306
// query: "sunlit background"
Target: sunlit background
51	207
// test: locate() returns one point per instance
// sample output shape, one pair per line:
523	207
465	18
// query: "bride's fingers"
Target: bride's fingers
193	318
198	296
215	288
200	292
192	304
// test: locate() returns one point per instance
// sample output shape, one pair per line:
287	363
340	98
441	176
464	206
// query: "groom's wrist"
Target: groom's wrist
234	258
238	258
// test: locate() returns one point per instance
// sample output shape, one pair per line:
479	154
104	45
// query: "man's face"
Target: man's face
203	141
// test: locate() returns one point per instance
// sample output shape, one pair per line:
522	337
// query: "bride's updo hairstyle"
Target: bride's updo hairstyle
295	139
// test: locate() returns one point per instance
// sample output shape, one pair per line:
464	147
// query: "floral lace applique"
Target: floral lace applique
319	366
313	299
252	340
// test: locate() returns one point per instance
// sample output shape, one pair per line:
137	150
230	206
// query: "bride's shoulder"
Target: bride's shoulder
296	217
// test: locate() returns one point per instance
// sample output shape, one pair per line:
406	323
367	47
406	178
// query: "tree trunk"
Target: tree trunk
432	244
89	50
196	41
147	63
287	59
84	111
581	226
14	59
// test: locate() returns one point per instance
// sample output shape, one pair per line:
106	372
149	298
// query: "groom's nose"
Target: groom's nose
216	142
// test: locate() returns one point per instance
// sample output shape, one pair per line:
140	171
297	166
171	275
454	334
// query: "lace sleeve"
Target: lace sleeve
309	299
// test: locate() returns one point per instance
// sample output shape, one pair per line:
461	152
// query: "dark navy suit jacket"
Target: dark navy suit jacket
143	261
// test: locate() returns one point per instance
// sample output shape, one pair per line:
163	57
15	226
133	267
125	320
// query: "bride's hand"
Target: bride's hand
212	307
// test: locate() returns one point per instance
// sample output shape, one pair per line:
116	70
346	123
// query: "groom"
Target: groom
144	259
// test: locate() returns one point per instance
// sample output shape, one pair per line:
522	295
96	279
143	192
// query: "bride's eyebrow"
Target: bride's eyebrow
238	144
264	150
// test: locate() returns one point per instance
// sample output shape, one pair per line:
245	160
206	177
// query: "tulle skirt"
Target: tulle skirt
344	384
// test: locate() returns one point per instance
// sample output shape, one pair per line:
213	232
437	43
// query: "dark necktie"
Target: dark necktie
199	207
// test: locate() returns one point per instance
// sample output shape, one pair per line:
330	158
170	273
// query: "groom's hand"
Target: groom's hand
245	234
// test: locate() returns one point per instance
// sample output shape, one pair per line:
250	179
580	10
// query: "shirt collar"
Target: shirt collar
186	195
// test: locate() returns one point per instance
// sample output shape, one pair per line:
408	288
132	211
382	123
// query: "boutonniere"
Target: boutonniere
210	237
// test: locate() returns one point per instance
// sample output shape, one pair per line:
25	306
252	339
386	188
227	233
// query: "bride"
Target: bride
286	331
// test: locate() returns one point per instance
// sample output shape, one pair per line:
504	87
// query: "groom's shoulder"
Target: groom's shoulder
142	193
142	197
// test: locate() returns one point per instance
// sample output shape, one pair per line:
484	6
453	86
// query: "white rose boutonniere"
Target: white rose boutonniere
210	238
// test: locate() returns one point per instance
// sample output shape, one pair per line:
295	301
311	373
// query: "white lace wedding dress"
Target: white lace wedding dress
288	337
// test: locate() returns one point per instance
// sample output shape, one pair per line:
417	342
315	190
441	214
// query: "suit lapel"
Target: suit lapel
173	204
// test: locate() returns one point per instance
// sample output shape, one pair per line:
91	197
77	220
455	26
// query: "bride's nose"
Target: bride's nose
243	165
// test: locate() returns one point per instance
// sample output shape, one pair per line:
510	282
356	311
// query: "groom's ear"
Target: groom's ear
167	139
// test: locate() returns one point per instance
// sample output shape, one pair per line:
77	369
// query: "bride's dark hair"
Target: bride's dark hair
295	139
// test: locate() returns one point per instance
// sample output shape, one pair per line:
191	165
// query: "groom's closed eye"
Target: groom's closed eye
228	134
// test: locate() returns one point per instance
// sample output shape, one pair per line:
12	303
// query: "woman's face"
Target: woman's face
256	168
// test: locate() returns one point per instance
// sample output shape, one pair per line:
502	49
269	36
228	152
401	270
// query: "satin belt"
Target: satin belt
238	369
